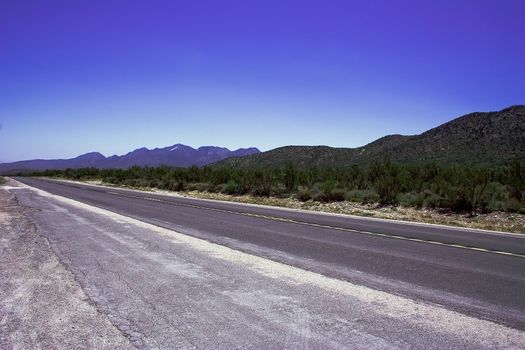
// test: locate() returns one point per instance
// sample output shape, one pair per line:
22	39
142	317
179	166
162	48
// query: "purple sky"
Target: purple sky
112	76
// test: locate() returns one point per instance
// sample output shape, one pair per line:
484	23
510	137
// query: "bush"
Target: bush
431	200
410	199
156	183
172	185
2	180
328	191
262	190
337	195
200	187
319	196
496	205
290	177
515	206
138	183
386	179
303	194
279	190
362	196
110	180
231	187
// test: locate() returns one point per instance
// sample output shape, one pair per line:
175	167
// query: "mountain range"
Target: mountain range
178	155
480	138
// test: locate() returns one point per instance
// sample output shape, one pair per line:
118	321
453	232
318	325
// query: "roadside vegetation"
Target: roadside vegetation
457	189
2	180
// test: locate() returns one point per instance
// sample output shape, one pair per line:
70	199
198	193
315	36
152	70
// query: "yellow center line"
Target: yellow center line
275	218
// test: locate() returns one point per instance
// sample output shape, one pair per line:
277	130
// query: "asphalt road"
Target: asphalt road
480	274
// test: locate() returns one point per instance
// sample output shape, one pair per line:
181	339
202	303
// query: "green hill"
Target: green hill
476	139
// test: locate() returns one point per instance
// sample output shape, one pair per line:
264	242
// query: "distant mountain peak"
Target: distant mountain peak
206	148
178	155
91	155
253	149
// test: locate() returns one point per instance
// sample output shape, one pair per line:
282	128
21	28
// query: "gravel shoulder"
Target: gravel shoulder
41	304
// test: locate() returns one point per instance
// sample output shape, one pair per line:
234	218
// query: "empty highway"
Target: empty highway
474	272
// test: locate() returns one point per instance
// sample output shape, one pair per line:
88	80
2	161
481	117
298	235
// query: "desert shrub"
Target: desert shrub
231	187
138	183
192	186
279	190
262	189
515	179
290	177
172	185
303	194
386	178
515	206
328	191
199	186
496	197
511	205
410	199
327	186
337	195
495	205
319	196
362	196
213	188
431	199
499	197
156	183
220	188
456	201
2	180
110	180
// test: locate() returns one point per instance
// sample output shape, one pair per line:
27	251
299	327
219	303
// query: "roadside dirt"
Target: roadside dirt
41	304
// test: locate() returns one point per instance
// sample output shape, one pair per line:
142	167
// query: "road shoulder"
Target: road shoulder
41	304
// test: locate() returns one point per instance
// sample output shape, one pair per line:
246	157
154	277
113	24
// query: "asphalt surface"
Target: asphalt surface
476	273
77	276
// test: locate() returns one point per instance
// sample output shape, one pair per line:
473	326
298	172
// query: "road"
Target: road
474	273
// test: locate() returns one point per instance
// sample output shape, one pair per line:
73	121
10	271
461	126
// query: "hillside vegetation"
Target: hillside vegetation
475	139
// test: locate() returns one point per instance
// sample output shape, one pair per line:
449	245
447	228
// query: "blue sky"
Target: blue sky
112	76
